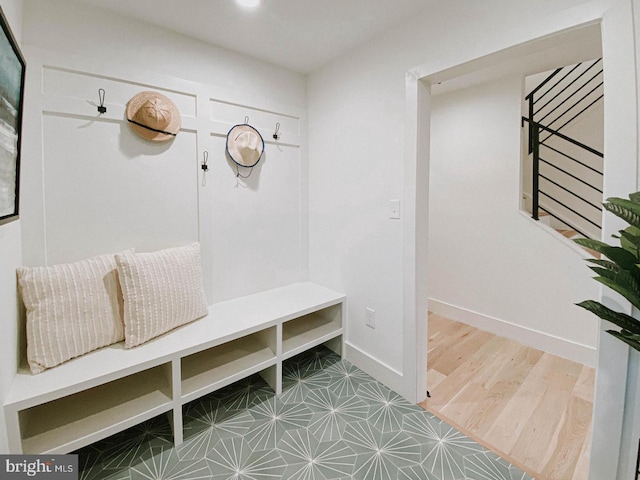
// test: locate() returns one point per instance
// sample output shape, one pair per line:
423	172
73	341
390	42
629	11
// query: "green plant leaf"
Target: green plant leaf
622	320
619	255
624	204
635	197
624	209
632	342
608	264
605	273
622	257
622	278
591	243
621	272
630	240
615	268
622	290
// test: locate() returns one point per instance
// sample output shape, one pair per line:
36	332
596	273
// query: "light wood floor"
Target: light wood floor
530	407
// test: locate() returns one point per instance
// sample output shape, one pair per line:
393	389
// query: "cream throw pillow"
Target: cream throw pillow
162	290
71	308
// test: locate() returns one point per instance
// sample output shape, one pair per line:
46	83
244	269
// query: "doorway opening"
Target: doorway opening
498	277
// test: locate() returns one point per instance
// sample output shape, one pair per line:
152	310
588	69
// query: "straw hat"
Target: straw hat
153	116
245	145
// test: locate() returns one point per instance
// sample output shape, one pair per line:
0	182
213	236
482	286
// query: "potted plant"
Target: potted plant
620	270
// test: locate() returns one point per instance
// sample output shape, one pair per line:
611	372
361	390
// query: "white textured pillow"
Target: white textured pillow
71	308
162	290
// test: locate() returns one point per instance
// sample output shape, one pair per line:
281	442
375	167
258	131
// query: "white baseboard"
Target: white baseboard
561	347
377	369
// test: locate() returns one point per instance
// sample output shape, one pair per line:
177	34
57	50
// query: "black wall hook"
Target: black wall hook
101	108
204	165
275	135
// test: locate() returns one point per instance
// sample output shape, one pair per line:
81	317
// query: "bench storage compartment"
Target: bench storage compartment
103	392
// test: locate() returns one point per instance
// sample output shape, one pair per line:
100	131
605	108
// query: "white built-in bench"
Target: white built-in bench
106	391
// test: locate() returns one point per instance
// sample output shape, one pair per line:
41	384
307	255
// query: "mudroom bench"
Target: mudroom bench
106	391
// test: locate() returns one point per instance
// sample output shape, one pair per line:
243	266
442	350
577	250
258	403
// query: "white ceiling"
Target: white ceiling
300	35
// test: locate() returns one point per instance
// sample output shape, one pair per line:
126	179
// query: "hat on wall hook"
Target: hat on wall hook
275	134
101	107
153	116
244	147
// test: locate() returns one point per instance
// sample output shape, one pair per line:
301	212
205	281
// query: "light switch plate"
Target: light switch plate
394	209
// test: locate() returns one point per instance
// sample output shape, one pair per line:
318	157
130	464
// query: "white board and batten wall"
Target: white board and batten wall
100	188
96	187
91	186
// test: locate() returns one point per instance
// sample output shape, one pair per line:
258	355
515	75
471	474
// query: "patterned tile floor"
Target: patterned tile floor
331	422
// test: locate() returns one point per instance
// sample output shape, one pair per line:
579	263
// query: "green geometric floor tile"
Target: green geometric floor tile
346	378
211	414
233	458
316	359
331	414
203	428
486	466
126	449
298	382
272	418
244	393
164	464
380	454
415	472
445	455
197	446
331	422
387	407
309	458
92	468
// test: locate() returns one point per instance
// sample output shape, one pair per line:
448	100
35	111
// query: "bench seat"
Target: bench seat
103	392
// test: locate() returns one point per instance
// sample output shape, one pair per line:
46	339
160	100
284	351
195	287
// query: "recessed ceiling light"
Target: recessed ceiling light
248	3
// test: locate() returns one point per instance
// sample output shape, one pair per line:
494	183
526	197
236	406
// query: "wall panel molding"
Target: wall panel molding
96	187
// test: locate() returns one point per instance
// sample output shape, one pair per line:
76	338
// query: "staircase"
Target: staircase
564	138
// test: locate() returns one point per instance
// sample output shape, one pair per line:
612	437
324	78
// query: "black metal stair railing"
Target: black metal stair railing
563	89
567	174
584	208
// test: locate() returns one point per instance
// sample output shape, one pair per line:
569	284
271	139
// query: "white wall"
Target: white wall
92	186
357	133
10	259
355	119
490	265
608	455
253	232
357	139
66	26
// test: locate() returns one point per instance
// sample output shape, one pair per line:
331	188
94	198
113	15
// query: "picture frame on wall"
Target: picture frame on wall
12	73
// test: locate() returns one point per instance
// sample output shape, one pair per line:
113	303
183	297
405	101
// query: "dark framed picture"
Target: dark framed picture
12	68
